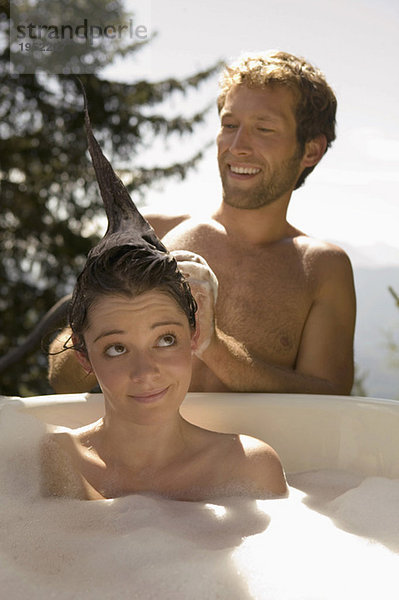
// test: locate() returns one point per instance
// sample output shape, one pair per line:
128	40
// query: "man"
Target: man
285	313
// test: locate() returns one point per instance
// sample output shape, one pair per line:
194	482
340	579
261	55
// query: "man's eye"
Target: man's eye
166	340
229	126
115	350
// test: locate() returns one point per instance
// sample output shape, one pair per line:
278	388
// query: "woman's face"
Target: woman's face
140	349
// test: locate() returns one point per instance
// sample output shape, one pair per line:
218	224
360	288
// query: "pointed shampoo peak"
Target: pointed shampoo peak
124	220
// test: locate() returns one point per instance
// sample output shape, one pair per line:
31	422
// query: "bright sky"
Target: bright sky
352	196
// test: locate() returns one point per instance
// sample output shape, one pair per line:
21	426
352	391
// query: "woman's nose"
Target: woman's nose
143	367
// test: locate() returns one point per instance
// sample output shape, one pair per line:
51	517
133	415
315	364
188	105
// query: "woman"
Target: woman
133	325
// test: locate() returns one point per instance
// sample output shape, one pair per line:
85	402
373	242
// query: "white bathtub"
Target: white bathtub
341	455
308	431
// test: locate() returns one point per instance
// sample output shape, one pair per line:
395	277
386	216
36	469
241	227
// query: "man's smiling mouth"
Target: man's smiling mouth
244	170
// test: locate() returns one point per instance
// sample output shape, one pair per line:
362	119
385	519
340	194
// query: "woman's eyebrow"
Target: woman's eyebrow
153	326
164	323
111	332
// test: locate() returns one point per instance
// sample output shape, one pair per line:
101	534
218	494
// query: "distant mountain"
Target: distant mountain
377	319
376	267
374	255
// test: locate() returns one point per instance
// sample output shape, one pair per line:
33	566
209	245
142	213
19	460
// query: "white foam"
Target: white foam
147	548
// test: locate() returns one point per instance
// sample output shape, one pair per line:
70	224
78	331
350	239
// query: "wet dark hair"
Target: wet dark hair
130	271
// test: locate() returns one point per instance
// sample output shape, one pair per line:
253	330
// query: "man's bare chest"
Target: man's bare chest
264	300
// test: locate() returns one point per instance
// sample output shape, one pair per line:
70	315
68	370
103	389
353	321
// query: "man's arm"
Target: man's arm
324	362
65	374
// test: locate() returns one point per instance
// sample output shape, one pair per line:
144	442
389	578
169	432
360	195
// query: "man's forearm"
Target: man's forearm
242	372
65	374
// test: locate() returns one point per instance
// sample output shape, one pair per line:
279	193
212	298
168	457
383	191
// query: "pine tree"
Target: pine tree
49	200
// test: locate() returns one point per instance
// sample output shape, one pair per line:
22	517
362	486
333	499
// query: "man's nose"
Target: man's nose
241	144
143	367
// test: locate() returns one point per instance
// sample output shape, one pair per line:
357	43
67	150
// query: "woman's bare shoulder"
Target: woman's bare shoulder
60	476
260	467
245	465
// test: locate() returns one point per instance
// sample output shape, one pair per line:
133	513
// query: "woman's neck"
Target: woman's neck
138	446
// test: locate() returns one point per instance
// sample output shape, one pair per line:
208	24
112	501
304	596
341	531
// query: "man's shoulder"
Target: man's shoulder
327	264
179	223
163	223
193	233
320	253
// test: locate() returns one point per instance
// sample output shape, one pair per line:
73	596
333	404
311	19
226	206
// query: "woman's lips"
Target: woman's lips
148	397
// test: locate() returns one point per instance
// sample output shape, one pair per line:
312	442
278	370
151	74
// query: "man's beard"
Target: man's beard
272	187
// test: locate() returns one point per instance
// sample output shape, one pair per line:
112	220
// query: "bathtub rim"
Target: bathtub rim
309	431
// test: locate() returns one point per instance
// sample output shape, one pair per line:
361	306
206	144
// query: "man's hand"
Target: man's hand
204	287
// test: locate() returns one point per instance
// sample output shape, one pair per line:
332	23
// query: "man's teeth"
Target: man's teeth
244	170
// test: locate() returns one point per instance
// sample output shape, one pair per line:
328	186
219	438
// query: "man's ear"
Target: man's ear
82	357
314	151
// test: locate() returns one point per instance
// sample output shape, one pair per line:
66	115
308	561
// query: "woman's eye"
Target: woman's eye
167	340
115	350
